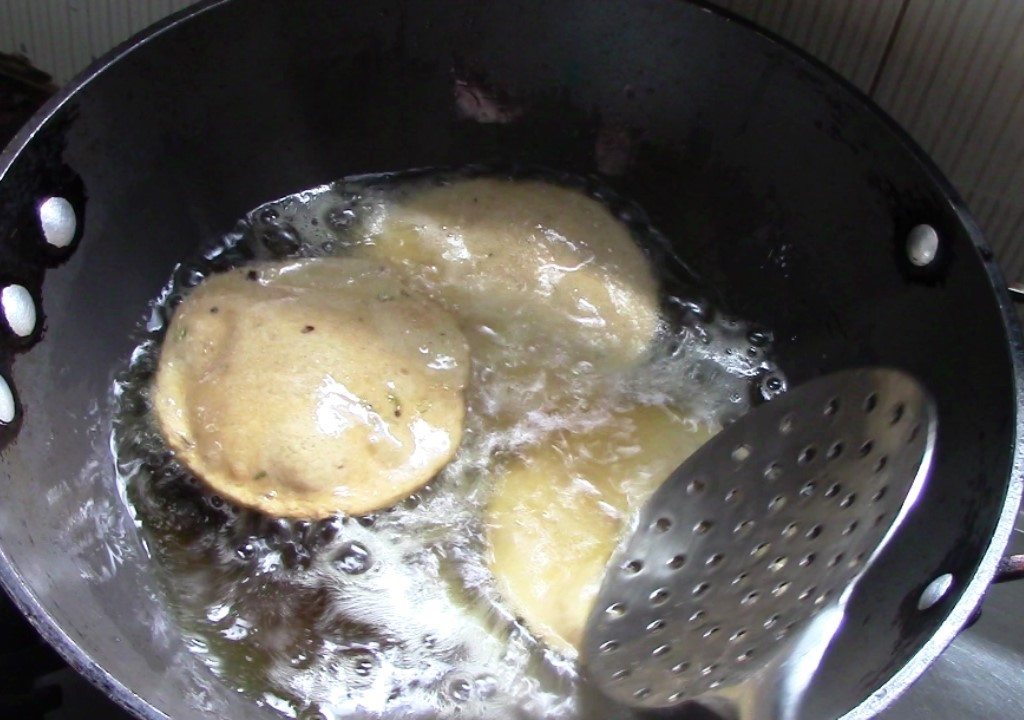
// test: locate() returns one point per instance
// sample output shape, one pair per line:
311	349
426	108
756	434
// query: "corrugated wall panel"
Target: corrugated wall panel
851	36
63	36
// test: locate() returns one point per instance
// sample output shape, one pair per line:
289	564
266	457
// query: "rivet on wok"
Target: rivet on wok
935	591
922	245
7	407
19	310
58	221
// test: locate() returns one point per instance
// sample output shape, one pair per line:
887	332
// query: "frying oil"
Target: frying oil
395	614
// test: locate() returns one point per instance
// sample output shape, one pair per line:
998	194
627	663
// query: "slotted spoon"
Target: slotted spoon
735	579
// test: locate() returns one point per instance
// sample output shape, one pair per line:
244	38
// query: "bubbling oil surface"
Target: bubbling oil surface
395	614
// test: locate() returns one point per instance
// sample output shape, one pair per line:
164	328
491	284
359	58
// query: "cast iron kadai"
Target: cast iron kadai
794	202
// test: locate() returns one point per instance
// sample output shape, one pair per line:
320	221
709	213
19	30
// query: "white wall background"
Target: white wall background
950	71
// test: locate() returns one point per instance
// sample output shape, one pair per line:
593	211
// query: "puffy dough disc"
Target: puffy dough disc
559	510
306	388
532	269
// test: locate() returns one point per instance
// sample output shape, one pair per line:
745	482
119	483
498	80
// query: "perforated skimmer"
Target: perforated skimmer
735	579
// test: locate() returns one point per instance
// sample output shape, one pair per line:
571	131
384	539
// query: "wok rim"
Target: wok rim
957	617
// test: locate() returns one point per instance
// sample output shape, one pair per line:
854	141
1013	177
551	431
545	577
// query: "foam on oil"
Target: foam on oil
396	614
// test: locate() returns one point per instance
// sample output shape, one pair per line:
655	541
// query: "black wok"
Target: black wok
788	194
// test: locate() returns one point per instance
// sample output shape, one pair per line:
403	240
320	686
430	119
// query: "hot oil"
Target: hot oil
396	614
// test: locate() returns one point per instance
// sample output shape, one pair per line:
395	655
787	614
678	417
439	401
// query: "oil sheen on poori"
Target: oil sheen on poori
482	369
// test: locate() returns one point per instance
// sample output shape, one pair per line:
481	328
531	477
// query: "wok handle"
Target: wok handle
1010	568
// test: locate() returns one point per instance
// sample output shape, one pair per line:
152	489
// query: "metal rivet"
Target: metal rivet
935	591
58	221
19	310
922	245
7	407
